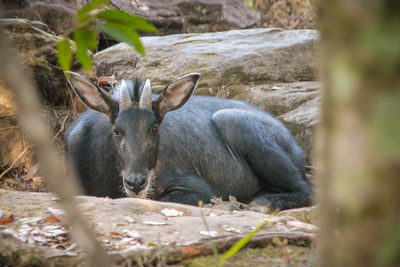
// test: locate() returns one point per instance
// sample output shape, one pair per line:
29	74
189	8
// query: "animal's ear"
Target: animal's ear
93	96
175	94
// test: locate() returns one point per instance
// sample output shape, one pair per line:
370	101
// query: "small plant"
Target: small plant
238	245
242	242
213	246
97	15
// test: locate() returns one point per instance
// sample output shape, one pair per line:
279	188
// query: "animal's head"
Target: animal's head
135	122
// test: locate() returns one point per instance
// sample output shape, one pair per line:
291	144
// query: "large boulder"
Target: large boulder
260	66
59	15
178	16
227	60
184	16
129	226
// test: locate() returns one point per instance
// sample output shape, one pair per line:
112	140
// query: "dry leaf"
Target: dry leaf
7	220
56	212
154	223
171	212
52	219
190	251
114	234
209	233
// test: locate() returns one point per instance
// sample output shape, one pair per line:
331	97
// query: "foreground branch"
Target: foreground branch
52	167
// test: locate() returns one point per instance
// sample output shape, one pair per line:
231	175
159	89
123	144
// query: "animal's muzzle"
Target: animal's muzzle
135	183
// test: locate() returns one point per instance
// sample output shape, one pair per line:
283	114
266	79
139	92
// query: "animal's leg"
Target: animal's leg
272	154
187	190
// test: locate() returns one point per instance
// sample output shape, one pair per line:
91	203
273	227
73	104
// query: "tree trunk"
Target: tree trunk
358	146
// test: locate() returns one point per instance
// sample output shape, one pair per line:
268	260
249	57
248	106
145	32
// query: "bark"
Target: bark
358	141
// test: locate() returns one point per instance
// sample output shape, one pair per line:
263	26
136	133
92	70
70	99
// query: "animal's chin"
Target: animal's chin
141	194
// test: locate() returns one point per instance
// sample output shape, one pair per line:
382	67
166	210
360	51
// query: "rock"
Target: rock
240	64
185	16
226	60
127	226
59	15
36	49
307	215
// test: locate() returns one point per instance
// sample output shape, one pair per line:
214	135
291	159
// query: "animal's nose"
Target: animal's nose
135	183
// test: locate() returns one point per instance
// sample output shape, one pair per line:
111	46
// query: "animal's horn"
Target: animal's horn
145	98
125	101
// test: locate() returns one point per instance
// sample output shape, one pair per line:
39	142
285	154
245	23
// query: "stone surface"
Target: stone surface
226	60
260	66
184	16
59	15
36	49
307	215
128	225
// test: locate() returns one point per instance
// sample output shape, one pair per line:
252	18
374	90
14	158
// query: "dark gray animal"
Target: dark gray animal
182	148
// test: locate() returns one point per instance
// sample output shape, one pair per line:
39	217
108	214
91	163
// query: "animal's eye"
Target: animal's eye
116	132
154	129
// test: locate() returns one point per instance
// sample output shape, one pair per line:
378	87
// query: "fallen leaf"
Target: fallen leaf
52	219
190	251
114	234
30	220
7	220
154	223
129	219
125	242
209	233
56	212
171	212
132	233
232	229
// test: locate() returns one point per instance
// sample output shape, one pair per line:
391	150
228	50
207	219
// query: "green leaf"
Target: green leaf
86	37
64	54
242	242
123	34
81	16
85	40
121	17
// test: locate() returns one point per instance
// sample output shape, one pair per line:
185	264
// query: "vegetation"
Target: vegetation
96	15
287	14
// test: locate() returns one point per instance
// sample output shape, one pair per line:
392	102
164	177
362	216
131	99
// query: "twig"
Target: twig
61	129
8	115
14	161
8	128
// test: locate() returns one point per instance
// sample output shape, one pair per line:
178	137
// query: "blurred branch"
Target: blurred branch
52	167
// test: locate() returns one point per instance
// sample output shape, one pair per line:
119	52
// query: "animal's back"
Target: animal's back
193	142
